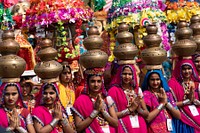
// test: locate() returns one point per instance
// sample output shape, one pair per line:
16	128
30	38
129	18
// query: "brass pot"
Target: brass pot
93	42
93	59
154	56
46	43
93	31
196	39
48	69
124	37
47	54
152	39
123	27
184	47
8	34
125	51
151	29
9	45
195	24
11	66
183	33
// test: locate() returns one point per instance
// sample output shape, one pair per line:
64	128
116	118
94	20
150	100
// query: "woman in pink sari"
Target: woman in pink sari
160	103
128	98
14	115
50	116
93	110
185	90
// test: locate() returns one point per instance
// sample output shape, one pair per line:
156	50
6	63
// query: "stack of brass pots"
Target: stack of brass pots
153	56
94	57
184	47
11	65
125	51
195	26
48	69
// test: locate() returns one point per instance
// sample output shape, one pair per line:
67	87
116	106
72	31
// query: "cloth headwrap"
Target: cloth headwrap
145	84
195	56
117	79
94	72
19	102
177	71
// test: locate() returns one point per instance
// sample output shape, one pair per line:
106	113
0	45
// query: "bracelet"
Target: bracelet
94	114
106	114
196	102
169	106
160	106
186	101
125	112
9	129
140	111
54	122
64	122
22	130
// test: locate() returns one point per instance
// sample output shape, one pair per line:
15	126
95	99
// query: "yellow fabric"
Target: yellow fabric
65	95
67	98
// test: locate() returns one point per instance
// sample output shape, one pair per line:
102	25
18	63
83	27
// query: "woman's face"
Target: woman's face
186	71
26	89
49	96
66	75
127	75
154	81
197	63
11	95
95	83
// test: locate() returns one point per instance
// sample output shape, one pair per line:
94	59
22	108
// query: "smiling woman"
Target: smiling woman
50	116
185	87
128	96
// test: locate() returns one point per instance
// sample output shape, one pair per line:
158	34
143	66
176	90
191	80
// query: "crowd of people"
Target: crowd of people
158	105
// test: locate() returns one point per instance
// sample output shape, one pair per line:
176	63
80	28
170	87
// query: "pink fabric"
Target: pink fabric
117	79
121	102
43	114
19	101
4	119
178	90
39	100
84	106
177	70
158	124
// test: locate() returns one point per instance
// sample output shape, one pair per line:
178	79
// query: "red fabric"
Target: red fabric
79	89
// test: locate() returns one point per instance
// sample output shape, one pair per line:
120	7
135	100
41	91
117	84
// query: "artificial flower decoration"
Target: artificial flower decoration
181	10
136	13
52	11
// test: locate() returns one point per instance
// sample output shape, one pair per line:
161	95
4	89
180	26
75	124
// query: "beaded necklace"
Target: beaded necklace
186	87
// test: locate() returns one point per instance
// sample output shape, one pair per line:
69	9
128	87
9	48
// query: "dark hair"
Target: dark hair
150	76
47	86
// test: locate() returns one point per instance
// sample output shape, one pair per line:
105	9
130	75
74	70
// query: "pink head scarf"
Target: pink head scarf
19	89
117	79
177	71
